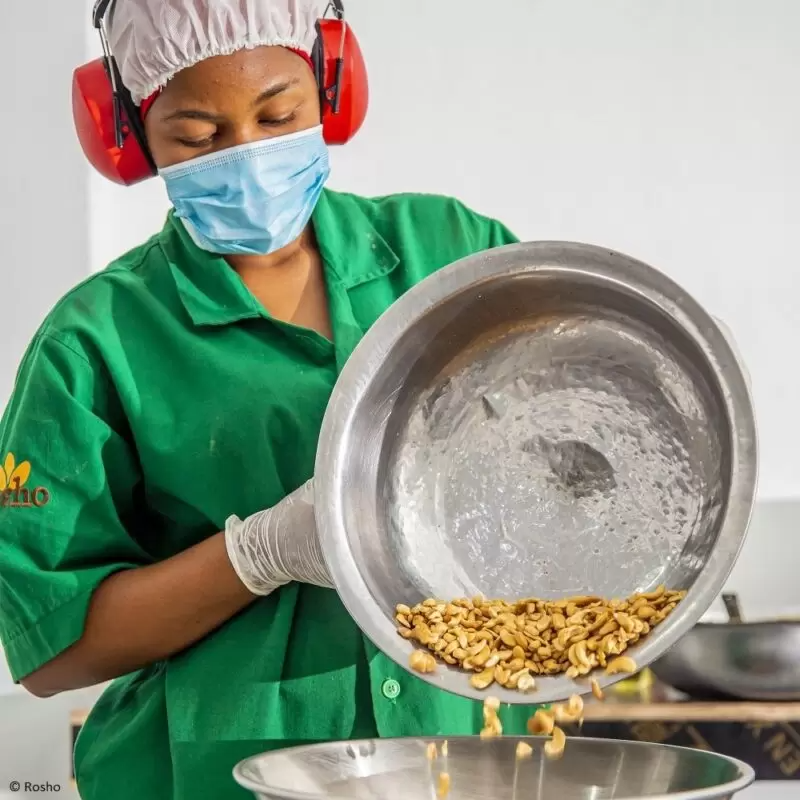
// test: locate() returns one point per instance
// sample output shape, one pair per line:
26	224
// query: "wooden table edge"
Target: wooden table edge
692	712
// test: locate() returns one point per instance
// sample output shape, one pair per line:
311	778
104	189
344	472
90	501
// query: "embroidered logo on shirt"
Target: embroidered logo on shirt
13	490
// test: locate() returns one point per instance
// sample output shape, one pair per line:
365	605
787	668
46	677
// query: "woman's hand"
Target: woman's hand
278	546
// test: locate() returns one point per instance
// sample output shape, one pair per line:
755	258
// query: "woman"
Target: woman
167	401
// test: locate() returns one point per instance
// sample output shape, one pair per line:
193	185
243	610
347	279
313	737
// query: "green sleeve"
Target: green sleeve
497	234
67	484
468	232
447	230
479	232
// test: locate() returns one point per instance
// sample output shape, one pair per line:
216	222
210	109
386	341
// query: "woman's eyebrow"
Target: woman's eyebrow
207	116
275	90
193	113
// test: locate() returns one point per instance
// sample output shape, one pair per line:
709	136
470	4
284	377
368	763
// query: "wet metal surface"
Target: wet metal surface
573	456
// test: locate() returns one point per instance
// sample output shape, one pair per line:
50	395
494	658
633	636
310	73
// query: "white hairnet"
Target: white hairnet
153	40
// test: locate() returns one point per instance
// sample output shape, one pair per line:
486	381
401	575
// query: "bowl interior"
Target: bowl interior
392	769
547	437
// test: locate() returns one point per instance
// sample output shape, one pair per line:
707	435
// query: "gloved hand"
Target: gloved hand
278	546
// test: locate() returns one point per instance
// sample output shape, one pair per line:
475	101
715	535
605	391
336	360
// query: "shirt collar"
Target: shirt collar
210	290
213	294
349	241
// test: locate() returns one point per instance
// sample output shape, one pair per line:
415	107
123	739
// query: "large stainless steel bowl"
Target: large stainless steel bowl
398	769
744	661
543	419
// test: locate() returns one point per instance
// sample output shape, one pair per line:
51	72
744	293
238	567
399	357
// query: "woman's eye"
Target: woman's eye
271	123
197	143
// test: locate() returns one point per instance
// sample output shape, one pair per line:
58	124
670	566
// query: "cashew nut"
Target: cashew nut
542	722
621	664
483	680
555	747
421	661
523	751
571	712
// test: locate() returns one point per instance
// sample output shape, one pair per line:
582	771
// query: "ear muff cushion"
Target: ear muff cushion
340	128
93	114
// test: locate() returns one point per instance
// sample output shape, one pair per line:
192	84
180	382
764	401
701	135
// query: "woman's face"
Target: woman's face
232	100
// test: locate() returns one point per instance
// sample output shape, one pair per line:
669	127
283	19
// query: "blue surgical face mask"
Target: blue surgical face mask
253	199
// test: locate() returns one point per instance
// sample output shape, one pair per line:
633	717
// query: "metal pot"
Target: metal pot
738	660
398	769
544	419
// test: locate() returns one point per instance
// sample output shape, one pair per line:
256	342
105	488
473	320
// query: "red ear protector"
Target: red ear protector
110	126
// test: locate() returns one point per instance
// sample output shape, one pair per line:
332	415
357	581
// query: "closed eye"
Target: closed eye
273	123
197	143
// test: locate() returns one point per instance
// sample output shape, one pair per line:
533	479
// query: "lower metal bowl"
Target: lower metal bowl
398	769
757	661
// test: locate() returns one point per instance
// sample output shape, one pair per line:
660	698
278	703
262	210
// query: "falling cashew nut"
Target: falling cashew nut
523	751
542	722
555	747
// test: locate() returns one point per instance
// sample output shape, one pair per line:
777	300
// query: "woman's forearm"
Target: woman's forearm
142	616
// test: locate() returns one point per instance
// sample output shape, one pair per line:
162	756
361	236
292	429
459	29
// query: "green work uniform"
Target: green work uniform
158	399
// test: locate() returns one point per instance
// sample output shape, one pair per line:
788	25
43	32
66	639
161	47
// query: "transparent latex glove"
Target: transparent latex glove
278	546
728	334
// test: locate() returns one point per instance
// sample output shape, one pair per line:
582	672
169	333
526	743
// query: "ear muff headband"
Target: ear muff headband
110	127
341	75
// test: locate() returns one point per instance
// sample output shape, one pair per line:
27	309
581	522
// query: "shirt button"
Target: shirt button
390	689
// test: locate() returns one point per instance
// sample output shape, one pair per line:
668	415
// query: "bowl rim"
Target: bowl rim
749	624
546	258
746	777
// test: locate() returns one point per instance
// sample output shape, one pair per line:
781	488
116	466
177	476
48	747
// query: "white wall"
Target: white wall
36	743
44	250
765	575
665	129
44	184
